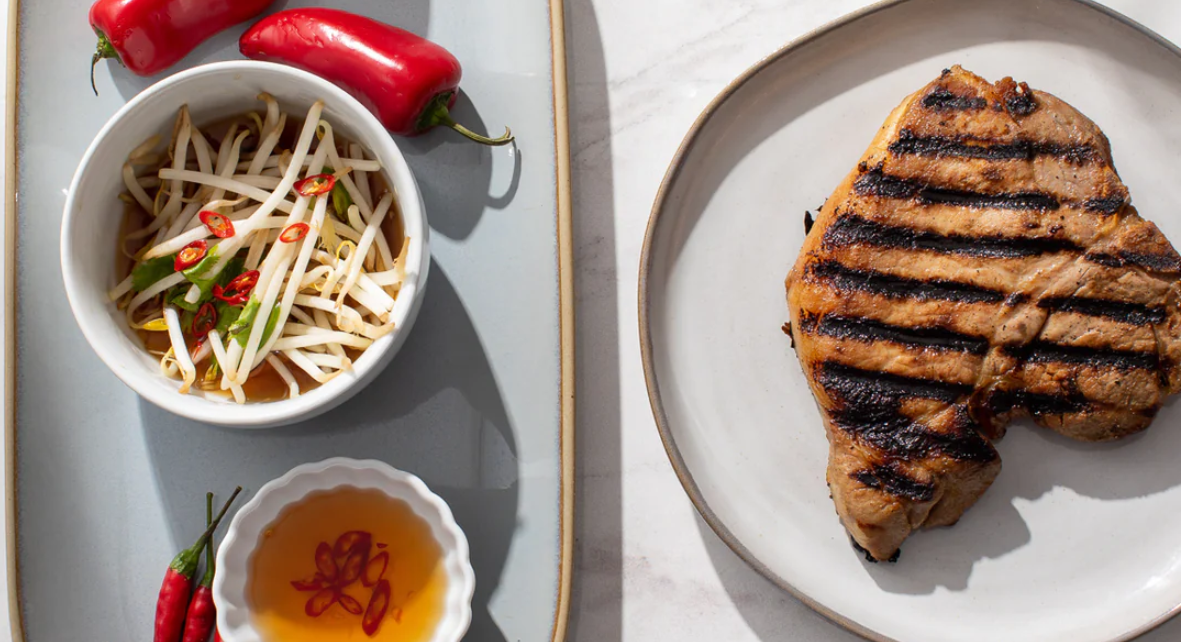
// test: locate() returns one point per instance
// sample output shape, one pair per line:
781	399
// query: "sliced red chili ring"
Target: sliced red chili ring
204	321
190	255
218	225
222	294
244	282
316	185
237	291
294	232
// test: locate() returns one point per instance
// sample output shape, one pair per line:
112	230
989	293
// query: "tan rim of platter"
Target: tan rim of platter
566	303
566	317
650	375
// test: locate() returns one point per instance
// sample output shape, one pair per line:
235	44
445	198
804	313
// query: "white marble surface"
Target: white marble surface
647	567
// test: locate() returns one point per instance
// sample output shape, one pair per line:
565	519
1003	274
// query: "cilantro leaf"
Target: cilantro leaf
146	274
239	329
226	316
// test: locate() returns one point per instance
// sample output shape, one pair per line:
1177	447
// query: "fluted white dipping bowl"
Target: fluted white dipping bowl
93	215
234	556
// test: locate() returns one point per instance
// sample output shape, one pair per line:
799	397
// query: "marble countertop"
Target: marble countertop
647	566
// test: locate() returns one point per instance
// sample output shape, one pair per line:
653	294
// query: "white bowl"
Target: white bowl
93	215
237	548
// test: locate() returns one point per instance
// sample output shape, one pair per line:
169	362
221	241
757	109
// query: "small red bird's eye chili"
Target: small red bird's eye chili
219	293
190	255
237	291
379	603
316	185
294	232
407	81
178	583
148	36
202	616
204	321
218	225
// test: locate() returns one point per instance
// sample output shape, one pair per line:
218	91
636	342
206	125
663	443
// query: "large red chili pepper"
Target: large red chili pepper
148	36
178	583
202	615
407	81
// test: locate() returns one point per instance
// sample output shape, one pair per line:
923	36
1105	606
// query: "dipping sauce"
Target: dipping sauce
304	557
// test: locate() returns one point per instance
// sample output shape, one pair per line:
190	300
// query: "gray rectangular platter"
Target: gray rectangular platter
479	403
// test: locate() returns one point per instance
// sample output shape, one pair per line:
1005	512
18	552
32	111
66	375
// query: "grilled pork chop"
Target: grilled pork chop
981	263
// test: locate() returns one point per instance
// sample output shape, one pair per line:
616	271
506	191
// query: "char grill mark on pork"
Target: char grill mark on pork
942	99
981	263
876	182
850	229
1042	352
1000	402
1122	311
896	287
893	479
1153	262
870	331
869	408
967	147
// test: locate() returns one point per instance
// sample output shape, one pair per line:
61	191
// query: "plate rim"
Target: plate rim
651	380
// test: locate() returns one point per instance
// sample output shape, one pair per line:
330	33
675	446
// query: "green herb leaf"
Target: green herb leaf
176	296
239	329
272	321
146	274
186	321
226	316
197	274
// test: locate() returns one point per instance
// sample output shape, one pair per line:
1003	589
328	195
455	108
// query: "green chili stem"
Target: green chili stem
105	50
208	579
436	113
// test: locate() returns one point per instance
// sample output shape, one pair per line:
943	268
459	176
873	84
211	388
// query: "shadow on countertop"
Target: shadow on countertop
596	611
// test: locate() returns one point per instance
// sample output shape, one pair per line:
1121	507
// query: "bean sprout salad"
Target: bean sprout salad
260	259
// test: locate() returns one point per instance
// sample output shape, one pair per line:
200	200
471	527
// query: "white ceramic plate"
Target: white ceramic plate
1074	542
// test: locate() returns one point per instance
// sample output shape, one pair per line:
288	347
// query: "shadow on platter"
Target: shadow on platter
442	159
436	411
596	604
